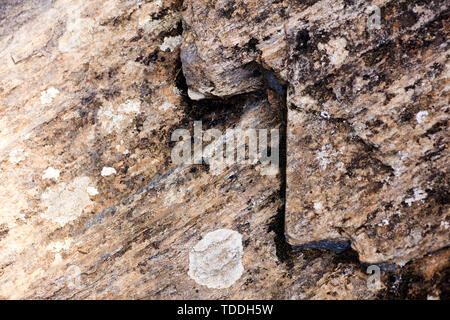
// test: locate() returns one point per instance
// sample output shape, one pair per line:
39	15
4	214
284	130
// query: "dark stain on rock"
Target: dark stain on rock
110	93
113	71
178	30
145	90
251	45
138	122
306	3
4	230
337	245
160	14
301	40
227	13
347	256
439	126
152	57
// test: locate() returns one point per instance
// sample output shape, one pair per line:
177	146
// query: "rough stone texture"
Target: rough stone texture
368	135
90	92
367	112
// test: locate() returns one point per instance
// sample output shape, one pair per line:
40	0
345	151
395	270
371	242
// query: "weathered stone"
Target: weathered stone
367	113
93	207
367	133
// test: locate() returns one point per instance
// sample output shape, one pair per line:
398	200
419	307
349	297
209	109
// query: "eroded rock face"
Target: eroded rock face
367	112
367	134
92	205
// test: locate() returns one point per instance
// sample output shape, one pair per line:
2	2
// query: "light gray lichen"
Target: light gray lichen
216	261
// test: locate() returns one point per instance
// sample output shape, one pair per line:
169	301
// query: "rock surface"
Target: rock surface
367	112
368	135
94	207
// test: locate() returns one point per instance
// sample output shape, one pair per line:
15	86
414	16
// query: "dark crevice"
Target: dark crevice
213	112
284	250
337	245
348	256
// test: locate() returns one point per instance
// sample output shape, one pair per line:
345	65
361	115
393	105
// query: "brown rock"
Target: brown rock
367	113
94	207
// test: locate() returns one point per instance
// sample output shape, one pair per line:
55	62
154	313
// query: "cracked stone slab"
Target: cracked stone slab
367	113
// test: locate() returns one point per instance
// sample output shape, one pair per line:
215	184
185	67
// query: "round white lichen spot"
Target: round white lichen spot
318	206
421	116
92	191
51	173
216	261
107	171
48	95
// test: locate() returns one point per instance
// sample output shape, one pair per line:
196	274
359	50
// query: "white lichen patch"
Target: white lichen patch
57	260
17	156
174	197
216	261
419	194
130	106
176	91
306	102
107	171
323	156
421	116
335	49
318	206
48	95
79	33
118	118
170	43
66	202
92	191
51	173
